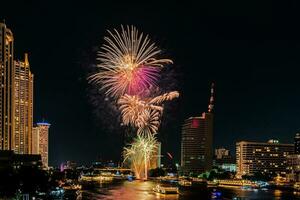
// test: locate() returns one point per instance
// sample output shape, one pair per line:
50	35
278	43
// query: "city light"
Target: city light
110	90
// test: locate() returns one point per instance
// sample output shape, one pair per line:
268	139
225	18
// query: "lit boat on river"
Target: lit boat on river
166	189
95	177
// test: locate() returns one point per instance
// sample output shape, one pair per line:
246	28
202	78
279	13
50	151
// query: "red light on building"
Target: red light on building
195	123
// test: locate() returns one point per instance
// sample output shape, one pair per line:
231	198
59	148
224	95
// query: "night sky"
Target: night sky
251	51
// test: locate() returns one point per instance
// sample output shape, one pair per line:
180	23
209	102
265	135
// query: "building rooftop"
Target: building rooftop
269	142
43	124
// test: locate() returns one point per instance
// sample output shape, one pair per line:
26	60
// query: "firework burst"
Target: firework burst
129	69
139	154
144	114
128	63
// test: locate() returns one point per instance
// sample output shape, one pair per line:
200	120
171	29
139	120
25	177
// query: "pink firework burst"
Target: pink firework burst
141	79
128	63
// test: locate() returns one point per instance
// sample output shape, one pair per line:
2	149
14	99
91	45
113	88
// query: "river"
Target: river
139	190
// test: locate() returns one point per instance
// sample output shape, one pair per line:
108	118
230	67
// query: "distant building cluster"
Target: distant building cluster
17	132
271	157
224	160
71	165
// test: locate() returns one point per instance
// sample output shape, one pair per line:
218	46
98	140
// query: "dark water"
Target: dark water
138	190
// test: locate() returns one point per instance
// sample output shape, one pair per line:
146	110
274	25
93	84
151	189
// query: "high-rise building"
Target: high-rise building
269	157
35	140
23	97
297	143
196	142
6	91
16	97
43	130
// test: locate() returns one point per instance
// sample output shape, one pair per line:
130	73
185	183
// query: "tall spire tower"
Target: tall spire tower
197	141
211	100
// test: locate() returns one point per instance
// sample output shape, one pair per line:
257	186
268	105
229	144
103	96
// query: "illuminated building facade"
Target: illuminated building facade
35	140
269	157
196	141
297	143
23	97
43	130
293	162
6	91
16	97
196	144
221	152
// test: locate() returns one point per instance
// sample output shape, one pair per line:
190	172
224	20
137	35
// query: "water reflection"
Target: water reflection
140	190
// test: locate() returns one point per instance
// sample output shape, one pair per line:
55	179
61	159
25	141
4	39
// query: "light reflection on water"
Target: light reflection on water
140	190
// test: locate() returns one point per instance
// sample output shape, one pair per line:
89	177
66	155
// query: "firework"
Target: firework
148	122
129	69
128	63
165	97
139	154
132	107
144	114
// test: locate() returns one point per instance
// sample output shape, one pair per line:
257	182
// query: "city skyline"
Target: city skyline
255	75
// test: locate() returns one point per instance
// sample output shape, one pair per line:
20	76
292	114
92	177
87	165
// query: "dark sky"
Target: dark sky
250	50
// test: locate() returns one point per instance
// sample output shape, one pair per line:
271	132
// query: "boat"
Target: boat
170	179
296	186
130	178
71	186
212	183
92	177
166	189
237	183
246	188
216	194
56	193
185	182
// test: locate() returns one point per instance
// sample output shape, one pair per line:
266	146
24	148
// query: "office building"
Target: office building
23	104
269	157
6	91
297	143
43	145
196	142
